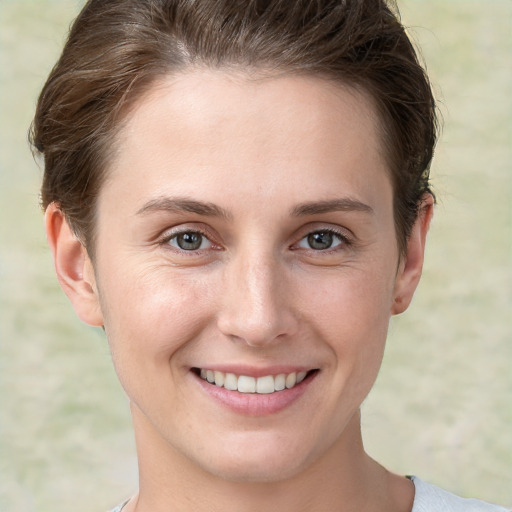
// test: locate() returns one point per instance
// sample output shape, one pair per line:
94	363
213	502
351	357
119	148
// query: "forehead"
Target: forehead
206	130
206	100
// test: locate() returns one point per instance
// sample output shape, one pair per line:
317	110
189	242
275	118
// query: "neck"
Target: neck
344	479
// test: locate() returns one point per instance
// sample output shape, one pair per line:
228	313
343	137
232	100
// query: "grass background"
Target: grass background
442	406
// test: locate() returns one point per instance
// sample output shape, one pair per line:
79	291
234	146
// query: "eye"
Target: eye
190	241
321	240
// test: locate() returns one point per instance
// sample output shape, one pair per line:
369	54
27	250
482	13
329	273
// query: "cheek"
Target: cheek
351	313
355	300
151	315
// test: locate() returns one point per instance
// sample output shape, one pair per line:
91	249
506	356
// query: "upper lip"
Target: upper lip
256	371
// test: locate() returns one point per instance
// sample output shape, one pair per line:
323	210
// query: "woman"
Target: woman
238	194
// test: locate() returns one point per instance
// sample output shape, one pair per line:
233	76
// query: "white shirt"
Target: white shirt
429	498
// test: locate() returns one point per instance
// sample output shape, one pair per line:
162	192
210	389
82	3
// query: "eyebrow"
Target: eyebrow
187	205
183	205
333	205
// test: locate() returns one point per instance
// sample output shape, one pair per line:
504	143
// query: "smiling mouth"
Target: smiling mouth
246	384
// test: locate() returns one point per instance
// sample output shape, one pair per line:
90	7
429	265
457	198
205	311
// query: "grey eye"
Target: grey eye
320	240
190	241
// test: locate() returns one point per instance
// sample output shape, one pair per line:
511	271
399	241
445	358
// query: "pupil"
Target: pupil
320	240
189	241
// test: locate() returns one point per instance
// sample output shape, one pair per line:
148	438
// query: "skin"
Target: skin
273	160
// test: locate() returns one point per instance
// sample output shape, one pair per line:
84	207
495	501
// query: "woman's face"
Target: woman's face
245	234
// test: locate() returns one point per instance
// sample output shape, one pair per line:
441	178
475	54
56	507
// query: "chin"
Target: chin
262	461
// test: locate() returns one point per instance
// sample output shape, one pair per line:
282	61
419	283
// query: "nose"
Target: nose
256	302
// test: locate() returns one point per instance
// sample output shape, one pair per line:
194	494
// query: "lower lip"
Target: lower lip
256	404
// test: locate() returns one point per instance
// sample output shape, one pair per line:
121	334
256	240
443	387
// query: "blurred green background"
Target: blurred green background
442	406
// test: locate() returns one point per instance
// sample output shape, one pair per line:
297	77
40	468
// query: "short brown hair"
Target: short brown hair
118	48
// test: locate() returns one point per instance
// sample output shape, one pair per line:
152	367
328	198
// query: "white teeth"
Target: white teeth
265	384
280	382
231	382
301	376
291	380
219	378
245	384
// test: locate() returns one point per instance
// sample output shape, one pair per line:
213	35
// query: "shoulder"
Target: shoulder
430	498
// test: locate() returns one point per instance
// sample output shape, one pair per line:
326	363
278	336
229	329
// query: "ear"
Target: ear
73	266
409	271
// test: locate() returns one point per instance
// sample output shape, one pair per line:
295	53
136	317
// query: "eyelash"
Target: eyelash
166	241
342	237
343	240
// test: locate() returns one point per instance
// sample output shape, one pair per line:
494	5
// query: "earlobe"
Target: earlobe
411	266
73	266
